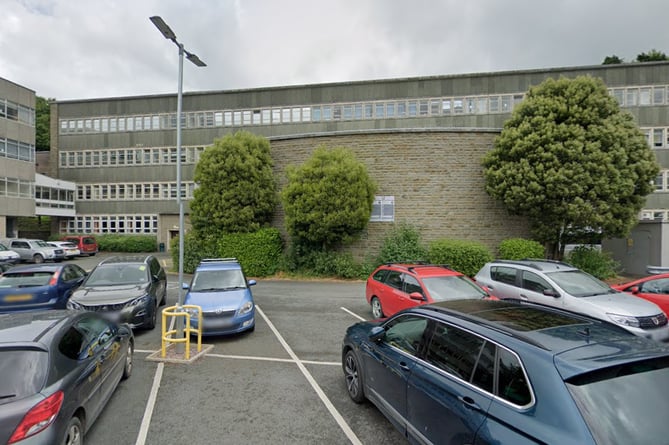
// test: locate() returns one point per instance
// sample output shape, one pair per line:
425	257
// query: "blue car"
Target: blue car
39	286
509	373
221	289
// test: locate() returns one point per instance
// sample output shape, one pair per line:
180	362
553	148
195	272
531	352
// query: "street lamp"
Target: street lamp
169	34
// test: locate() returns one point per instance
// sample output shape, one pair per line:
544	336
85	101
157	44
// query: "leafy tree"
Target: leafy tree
569	159
652	56
237	190
612	60
42	124
328	199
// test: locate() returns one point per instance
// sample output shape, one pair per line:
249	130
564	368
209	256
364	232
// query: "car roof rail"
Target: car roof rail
445	266
219	260
533	262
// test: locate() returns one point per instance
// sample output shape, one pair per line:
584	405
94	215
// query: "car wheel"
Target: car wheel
163	301
377	309
38	259
154	316
74	433
127	368
353	378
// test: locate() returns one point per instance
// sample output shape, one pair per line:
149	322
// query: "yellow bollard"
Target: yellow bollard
168	336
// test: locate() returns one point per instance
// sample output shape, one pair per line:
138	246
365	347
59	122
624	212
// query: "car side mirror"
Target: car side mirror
377	333
634	290
416	296
251	282
185	286
551	293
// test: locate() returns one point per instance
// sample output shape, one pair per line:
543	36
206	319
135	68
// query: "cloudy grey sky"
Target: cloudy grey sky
76	49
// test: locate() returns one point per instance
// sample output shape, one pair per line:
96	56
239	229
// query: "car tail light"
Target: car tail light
38	418
54	278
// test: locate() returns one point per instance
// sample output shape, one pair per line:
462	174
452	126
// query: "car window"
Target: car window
394	279
484	374
25	279
452	288
379	275
33	366
579	283
454	350
534	282
503	274
659	286
154	266
96	333
406	333
133	273
411	284
513	385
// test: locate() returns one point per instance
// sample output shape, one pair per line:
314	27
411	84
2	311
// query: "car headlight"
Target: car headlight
140	301
625	320
246	308
71	304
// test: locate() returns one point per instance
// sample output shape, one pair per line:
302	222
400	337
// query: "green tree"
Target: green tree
328	199
612	60
237	190
42	124
569	159
652	56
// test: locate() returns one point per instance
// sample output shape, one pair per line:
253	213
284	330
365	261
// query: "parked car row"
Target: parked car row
38	251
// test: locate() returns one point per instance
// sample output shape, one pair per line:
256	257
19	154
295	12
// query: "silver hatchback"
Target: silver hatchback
559	284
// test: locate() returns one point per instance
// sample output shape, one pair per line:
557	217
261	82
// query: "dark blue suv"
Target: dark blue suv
502	372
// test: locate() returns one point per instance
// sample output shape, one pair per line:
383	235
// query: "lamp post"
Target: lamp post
169	34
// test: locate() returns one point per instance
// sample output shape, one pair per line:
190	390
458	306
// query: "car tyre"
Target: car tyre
154	316
163	301
377	309
74	434
127	367
353	377
38	259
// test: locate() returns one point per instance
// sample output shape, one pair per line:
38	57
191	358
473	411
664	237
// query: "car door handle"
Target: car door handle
523	297
469	403
404	366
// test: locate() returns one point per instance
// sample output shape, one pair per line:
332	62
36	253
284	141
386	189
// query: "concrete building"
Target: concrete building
17	155
422	140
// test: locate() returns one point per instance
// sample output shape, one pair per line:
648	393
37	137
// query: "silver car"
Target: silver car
562	285
34	250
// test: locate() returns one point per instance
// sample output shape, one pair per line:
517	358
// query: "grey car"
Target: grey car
35	250
559	284
59	369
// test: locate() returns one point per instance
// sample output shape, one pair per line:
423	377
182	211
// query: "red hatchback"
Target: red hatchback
393	287
653	288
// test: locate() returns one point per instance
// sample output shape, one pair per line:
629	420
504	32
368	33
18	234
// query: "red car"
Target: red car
653	288
86	244
393	287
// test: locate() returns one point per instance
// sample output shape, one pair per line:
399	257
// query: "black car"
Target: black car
128	289
59	368
509	373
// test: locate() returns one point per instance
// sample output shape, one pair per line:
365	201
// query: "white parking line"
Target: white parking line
353	313
333	411
150	404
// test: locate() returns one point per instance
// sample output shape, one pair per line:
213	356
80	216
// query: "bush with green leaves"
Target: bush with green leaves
258	252
402	245
593	261
520	248
464	256
302	260
110	242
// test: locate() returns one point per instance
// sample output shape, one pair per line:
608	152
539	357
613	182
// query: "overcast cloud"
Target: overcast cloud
76	49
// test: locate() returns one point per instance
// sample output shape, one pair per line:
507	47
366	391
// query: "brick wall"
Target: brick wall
436	178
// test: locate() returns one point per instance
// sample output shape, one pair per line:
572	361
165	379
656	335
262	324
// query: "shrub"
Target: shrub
110	242
307	261
519	248
196	247
259	252
402	245
464	256
593	261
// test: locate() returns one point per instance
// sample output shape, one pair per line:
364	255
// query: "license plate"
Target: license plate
18	298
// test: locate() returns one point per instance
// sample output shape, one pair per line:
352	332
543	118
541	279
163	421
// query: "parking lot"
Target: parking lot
281	383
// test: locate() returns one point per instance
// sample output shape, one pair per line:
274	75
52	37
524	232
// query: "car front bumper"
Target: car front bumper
224	325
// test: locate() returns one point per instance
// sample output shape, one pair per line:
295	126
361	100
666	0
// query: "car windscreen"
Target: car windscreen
88	240
452	288
25	279
113	274
580	284
625	404
215	280
23	373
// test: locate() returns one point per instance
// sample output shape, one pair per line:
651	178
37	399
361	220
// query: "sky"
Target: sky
80	49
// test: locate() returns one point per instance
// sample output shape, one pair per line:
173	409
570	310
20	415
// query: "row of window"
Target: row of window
657	137
444	106
147	224
17	188
12	149
654	215
662	181
17	112
129	156
134	191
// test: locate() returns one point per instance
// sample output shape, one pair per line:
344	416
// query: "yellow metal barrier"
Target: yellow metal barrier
168	335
